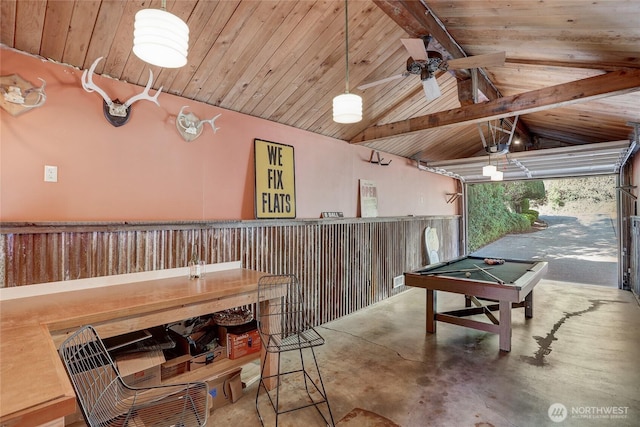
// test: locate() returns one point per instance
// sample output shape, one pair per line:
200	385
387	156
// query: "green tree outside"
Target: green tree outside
500	208
491	215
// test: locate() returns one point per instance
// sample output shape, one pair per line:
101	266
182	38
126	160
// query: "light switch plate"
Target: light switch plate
50	173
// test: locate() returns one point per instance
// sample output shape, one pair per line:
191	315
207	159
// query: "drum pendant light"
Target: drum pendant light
347	108
497	176
488	170
160	38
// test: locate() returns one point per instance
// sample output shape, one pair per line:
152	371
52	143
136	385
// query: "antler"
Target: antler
211	122
116	109
90	86
41	95
187	125
190	127
145	94
14	95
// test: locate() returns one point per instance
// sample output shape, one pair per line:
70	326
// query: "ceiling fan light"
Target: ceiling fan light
347	108
488	170
431	88
497	176
160	38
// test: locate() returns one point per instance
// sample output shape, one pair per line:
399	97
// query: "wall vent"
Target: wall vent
398	281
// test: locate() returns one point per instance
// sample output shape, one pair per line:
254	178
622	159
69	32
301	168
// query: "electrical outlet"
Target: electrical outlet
398	281
50	173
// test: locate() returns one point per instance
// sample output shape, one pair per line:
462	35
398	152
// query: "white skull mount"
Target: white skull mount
16	95
115	112
19	95
190	126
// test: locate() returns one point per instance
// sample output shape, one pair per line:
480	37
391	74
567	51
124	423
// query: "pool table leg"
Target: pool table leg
528	307
431	311
505	325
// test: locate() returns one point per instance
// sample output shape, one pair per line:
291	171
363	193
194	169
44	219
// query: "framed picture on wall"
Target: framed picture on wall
275	180
368	199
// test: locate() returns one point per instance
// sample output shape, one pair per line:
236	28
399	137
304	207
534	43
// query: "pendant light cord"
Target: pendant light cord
346	37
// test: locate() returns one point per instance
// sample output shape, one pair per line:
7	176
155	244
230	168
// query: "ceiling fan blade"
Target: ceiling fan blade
431	88
478	61
379	82
416	49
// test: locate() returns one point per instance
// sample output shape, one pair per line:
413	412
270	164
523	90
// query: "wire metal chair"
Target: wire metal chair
284	327
106	400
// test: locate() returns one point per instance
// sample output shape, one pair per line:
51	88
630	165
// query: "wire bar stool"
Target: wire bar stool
106	400
284	327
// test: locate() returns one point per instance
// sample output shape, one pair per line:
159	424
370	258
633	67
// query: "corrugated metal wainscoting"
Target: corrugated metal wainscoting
344	264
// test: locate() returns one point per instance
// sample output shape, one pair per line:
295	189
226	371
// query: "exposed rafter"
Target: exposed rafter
609	84
418	20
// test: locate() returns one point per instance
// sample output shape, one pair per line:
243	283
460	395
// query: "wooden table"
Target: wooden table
510	284
34	387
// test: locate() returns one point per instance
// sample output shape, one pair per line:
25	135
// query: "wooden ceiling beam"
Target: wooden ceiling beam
605	85
604	66
418	20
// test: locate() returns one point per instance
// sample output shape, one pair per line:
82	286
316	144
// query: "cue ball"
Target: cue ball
467	274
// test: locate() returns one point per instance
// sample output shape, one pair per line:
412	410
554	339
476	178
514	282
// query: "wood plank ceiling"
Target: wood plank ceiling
285	60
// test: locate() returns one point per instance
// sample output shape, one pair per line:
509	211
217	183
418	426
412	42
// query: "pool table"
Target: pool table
501	287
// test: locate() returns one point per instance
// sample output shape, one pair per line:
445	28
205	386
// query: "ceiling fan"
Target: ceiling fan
425	63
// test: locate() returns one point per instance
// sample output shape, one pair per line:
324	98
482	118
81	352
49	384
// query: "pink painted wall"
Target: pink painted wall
145	171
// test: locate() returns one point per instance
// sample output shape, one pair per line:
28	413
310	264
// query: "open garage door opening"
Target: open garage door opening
569	222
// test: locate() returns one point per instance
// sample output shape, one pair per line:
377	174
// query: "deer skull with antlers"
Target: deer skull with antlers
18	95
190	126
117	113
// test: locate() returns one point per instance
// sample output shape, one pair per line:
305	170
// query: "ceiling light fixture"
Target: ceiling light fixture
497	176
489	169
347	108
431	88
160	38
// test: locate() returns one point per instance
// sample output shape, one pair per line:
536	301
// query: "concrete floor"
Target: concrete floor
581	350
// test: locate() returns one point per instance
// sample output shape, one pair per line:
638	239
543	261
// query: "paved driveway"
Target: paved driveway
579	249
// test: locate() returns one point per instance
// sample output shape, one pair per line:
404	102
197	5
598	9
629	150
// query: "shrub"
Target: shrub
489	215
516	192
531	215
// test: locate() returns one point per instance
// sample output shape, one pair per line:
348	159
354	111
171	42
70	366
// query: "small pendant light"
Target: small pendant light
160	38
347	108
